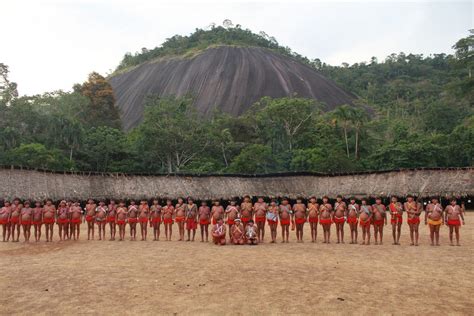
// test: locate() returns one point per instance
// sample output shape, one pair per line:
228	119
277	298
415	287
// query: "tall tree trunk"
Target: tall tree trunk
347	143
70	154
223	155
356	155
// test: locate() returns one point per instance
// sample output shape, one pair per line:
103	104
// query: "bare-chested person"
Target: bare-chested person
26	217
396	219
168	215
237	234
132	218
204	220
365	219
101	219
286	217
180	217
325	218
90	218
246	210
218	232
454	215
231	213
217	212
37	220
191	218
299	212
121	221
251	233
434	218
272	218
340	215
313	214
15	219
413	210
5	213
49	213
260	209
143	216
62	219
76	219
112	218
68	227
353	210
379	219
155	219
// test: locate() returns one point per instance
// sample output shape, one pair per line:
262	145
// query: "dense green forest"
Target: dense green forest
420	116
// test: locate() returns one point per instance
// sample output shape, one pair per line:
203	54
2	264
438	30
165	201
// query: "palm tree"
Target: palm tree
344	114
359	118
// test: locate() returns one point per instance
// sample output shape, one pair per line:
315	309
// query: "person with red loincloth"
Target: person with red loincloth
37	220
218	232
111	218
121	219
5	213
299	213
155	219
143	216
62	219
204	220
379	219
49	214
325	218
15	219
237	235
101	219
76	219
353	210
191	218
272	218
313	214
260	209
413	210
396	219
365	220
339	218
231	213
454	217
132	218
246	210
168	215
180	218
90	218
26	216
286	217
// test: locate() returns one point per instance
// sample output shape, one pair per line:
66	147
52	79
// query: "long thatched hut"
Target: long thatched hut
41	184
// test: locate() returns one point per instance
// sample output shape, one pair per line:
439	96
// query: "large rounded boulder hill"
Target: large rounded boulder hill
225	77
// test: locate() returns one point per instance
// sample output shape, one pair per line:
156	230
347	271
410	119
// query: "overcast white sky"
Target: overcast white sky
52	44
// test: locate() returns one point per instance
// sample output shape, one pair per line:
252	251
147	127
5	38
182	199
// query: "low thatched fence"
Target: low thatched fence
40	184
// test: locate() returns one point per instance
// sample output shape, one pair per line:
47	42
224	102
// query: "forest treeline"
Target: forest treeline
411	111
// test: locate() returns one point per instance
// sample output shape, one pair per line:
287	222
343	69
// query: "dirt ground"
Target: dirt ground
103	277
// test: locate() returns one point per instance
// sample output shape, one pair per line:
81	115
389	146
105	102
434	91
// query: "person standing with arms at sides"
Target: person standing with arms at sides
5	213
260	209
231	213
143	216
217	212
325	218
286	216
132	218
339	218
180	217
413	210
168	215
365	218
25	220
37	220
299	211
379	219
454	215
313	214
155	219
90	218
122	219
272	217
49	213
101	219
204	220
111	218
434	218
191	218
76	220
396	219
246	210
353	210
15	219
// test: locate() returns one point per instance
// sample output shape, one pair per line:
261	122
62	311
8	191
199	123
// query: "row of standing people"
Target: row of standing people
70	215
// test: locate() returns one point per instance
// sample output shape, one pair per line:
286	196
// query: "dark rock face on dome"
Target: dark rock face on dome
226	77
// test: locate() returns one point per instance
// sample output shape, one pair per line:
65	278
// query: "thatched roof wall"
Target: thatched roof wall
33	184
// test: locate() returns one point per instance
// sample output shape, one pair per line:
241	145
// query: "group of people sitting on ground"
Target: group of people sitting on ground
242	223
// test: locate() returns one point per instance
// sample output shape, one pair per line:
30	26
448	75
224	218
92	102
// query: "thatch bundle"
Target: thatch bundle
34	184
